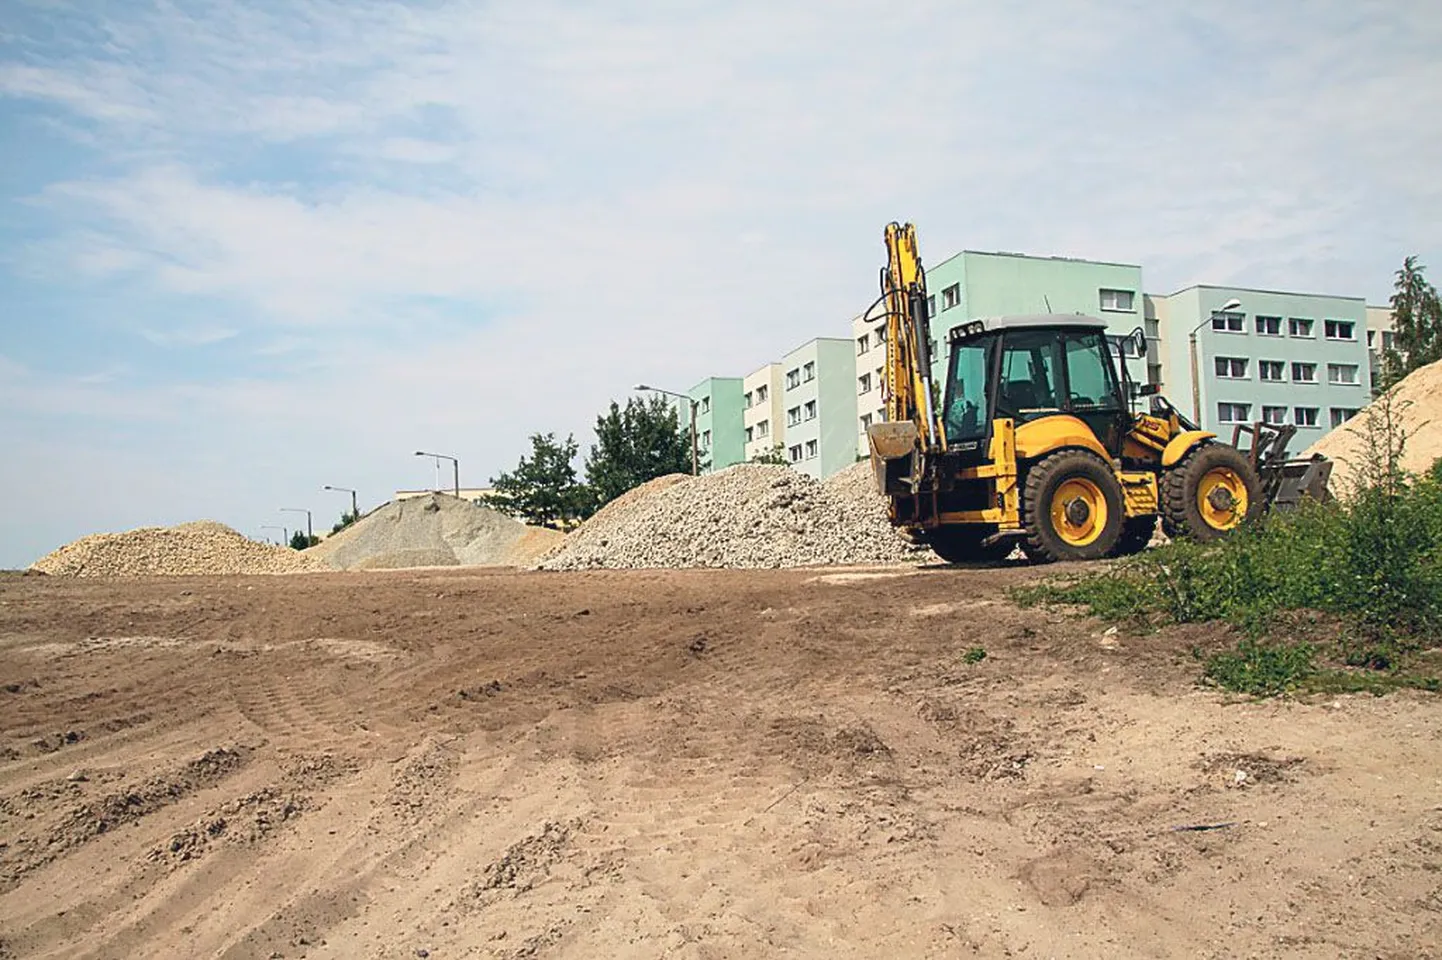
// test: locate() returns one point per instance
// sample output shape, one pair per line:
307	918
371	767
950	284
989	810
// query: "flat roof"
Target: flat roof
1034	256
1275	293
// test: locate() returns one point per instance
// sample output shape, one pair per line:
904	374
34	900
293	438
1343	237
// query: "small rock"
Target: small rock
78	776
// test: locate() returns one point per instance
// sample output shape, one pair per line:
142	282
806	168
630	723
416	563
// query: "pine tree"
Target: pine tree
1417	323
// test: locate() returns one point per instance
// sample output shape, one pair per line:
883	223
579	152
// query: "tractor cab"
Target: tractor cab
1028	368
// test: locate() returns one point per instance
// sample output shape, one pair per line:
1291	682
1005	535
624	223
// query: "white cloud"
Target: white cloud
197	336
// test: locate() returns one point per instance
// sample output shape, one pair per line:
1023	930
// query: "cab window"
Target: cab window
1091	380
1029	375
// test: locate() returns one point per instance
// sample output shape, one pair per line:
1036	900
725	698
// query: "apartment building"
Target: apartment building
975	284
818	397
1381	337
720	435
1269	355
761	416
869	337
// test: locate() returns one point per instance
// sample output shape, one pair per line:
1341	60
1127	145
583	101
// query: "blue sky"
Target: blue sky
249	250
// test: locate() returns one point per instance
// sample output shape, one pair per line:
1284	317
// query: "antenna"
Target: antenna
1047	302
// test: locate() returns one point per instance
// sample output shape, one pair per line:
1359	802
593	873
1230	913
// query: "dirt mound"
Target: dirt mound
200	548
747	515
436	530
1416	404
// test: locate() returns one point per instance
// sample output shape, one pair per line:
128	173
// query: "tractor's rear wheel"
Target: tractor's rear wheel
1136	534
1072	507
965	545
1212	491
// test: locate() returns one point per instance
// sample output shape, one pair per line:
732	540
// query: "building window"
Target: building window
1388	338
1341	415
865	421
1154	328
1154	373
1274	414
1231	368
1341	330
863	343
705	404
1123	300
1304	373
1229	322
1371	339
1271	369
863	383
793	416
931	348
793	379
748	400
1299	327
794	453
931	306
880	333
810	412
810	449
1304	416
1342	373
808	372
750	434
763	428
1269	326
1234	412
705	439
761	393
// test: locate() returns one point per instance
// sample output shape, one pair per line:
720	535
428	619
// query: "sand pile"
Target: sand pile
1416	406
200	547
436	530
748	515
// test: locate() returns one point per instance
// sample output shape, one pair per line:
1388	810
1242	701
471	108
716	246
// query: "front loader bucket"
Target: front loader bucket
1286	484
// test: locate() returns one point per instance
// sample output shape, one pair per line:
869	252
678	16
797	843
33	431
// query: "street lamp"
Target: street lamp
688	399
454	463
284	533
354	509
1192	337
309	531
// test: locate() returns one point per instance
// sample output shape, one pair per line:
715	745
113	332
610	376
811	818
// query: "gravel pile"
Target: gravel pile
436	530
201	547
1417	407
748	515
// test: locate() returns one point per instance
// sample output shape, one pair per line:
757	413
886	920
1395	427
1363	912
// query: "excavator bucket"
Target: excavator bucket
895	456
1285	482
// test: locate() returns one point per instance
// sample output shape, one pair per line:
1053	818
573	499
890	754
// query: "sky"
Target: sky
248	250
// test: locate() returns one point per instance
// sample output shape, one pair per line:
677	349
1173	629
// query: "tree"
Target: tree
775	455
1417	321
641	442
299	540
346	519
543	489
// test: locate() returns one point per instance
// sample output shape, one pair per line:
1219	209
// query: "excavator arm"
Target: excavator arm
908	338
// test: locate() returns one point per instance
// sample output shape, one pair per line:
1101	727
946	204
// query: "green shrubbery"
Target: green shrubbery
1374	560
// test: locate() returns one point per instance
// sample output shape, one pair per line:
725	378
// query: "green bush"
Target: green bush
1262	669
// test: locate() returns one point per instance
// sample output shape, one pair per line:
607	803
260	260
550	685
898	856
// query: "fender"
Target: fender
1180	445
1040	437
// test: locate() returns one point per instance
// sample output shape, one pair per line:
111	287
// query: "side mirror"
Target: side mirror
1139	341
1149	390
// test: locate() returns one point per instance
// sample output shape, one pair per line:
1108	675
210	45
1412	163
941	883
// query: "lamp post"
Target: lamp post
689	399
456	464
309	531
354	508
284	533
1196	379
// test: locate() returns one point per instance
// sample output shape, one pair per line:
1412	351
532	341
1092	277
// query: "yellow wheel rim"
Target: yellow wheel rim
1078	511
1222	498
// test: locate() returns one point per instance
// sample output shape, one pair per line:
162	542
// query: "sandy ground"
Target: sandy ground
682	764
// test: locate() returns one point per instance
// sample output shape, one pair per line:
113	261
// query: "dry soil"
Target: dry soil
474	763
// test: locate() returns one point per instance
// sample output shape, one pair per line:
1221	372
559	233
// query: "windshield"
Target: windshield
965	415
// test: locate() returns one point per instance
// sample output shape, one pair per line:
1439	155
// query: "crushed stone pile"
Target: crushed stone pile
748	515
198	548
1416	407
436	530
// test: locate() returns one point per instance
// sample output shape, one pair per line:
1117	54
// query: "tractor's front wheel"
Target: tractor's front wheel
1212	491
1073	508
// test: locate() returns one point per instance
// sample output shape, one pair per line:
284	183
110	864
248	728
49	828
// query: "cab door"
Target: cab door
1093	390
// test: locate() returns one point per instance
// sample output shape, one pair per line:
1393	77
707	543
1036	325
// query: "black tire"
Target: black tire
964	545
1183	516
1045	541
1136	534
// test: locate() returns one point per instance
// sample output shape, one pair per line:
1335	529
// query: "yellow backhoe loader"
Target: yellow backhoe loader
1033	439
